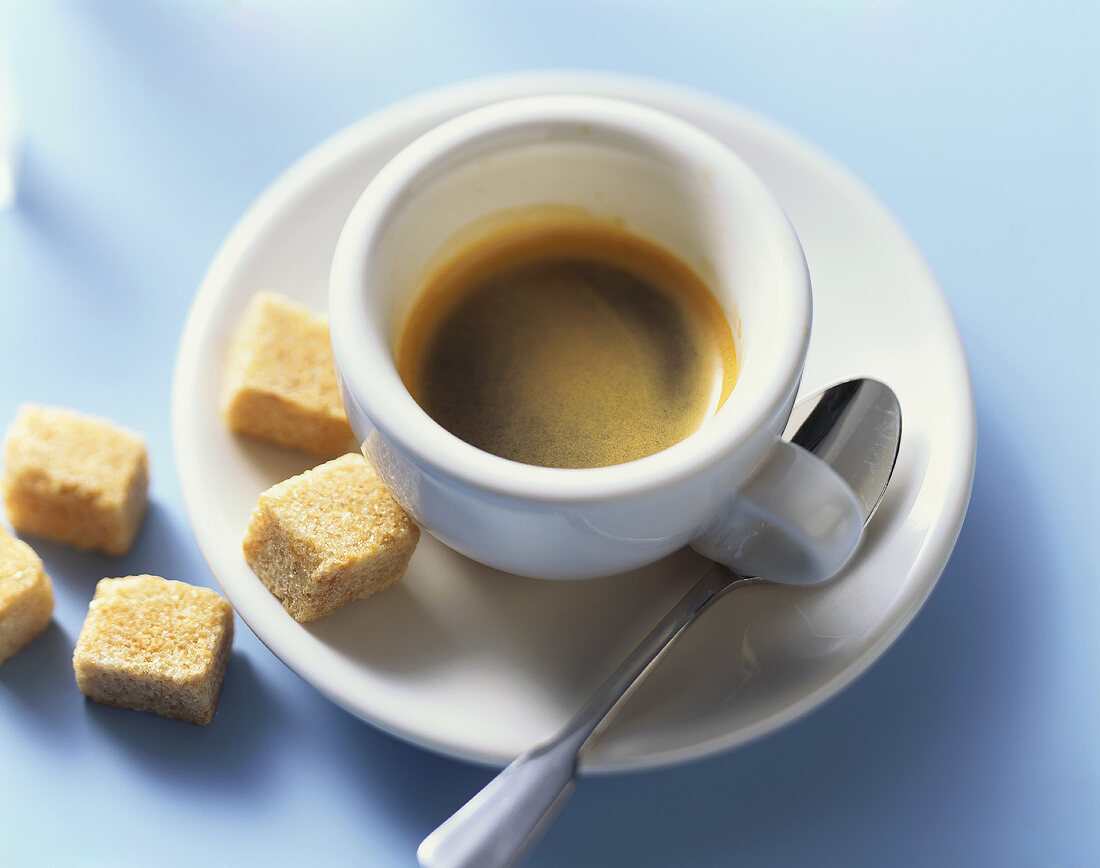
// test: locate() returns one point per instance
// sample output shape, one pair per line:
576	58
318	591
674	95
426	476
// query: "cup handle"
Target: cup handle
795	521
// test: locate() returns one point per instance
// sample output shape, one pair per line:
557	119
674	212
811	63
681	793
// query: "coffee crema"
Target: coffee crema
567	345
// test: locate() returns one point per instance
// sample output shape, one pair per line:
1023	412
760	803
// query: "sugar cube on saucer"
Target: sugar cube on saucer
329	536
280	384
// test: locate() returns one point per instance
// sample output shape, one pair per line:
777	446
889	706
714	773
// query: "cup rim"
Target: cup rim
369	376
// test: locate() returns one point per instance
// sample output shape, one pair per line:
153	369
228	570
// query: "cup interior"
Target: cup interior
561	157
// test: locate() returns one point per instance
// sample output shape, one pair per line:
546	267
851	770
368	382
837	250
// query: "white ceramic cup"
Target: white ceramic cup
732	489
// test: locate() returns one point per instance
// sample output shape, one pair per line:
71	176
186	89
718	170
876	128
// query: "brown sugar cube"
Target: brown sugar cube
26	595
75	479
327	537
280	382
155	645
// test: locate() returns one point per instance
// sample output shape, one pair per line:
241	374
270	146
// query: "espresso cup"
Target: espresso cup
733	489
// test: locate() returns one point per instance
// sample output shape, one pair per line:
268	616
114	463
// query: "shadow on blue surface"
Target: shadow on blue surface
876	751
231	754
420	788
34	673
163	542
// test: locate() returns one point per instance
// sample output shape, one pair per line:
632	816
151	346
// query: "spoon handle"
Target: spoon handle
499	824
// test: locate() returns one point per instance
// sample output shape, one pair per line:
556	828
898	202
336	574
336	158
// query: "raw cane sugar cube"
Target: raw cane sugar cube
327	537
155	645
26	595
280	382
75	479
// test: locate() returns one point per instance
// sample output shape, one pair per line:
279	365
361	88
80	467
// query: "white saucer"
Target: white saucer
481	665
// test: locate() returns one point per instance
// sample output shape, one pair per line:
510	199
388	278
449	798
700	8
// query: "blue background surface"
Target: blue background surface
149	128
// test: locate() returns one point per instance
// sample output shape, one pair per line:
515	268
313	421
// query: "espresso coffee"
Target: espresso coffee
567	346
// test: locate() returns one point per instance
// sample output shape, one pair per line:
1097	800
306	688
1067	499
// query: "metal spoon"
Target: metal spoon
855	427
